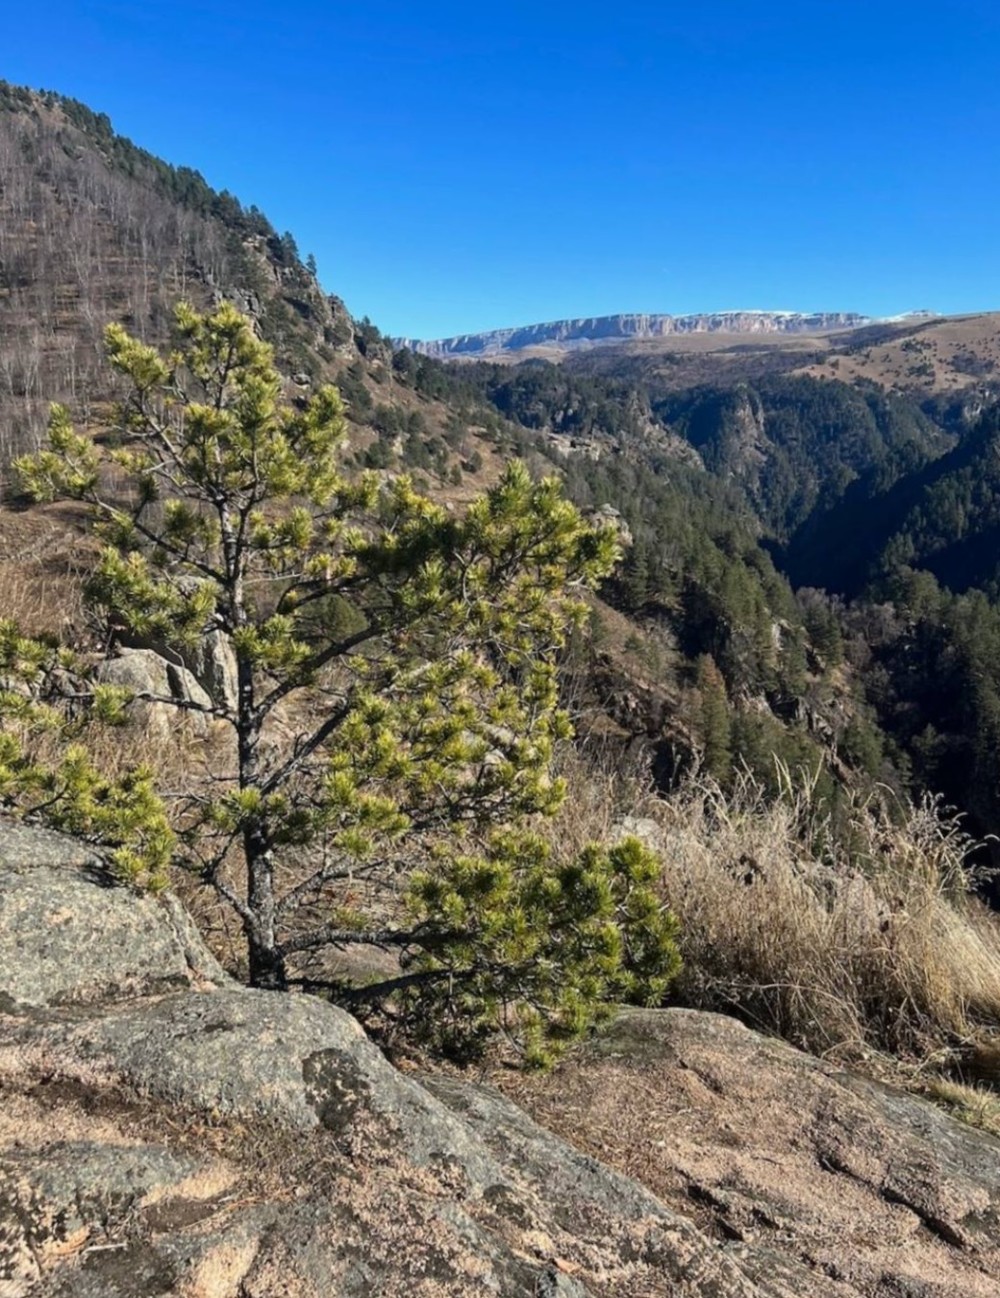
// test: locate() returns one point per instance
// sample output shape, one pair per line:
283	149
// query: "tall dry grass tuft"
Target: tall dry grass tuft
862	935
866	935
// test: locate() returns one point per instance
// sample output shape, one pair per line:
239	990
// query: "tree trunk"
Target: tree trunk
267	963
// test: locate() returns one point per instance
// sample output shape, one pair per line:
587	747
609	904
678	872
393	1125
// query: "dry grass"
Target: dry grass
43	601
866	937
860	938
977	1106
44	561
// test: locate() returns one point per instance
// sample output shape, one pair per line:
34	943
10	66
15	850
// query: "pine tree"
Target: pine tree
716	725
636	583
418	650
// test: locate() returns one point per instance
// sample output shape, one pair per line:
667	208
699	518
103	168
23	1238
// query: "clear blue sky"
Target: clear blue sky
462	166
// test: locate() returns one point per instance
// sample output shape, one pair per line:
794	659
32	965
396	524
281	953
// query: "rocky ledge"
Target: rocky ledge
166	1131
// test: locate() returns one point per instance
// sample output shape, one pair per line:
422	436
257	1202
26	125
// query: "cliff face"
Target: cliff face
615	328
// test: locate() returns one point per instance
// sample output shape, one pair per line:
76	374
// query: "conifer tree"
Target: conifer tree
636	581
414	652
716	726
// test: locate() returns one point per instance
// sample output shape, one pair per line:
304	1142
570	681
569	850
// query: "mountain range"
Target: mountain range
616	328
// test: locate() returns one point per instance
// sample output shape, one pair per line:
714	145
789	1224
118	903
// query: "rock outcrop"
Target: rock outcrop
212	662
166	1131
830	1183
620	328
69	936
208	665
149	676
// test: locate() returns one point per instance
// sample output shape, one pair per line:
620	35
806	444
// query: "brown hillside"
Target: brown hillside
951	354
93	229
943	356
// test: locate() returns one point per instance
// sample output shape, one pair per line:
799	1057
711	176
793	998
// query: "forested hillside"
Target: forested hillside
97	229
93	228
822	556
795	445
777	524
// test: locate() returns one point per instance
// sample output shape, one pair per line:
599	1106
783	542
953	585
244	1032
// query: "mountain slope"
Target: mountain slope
704	628
94	229
794	444
951	362
943	517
